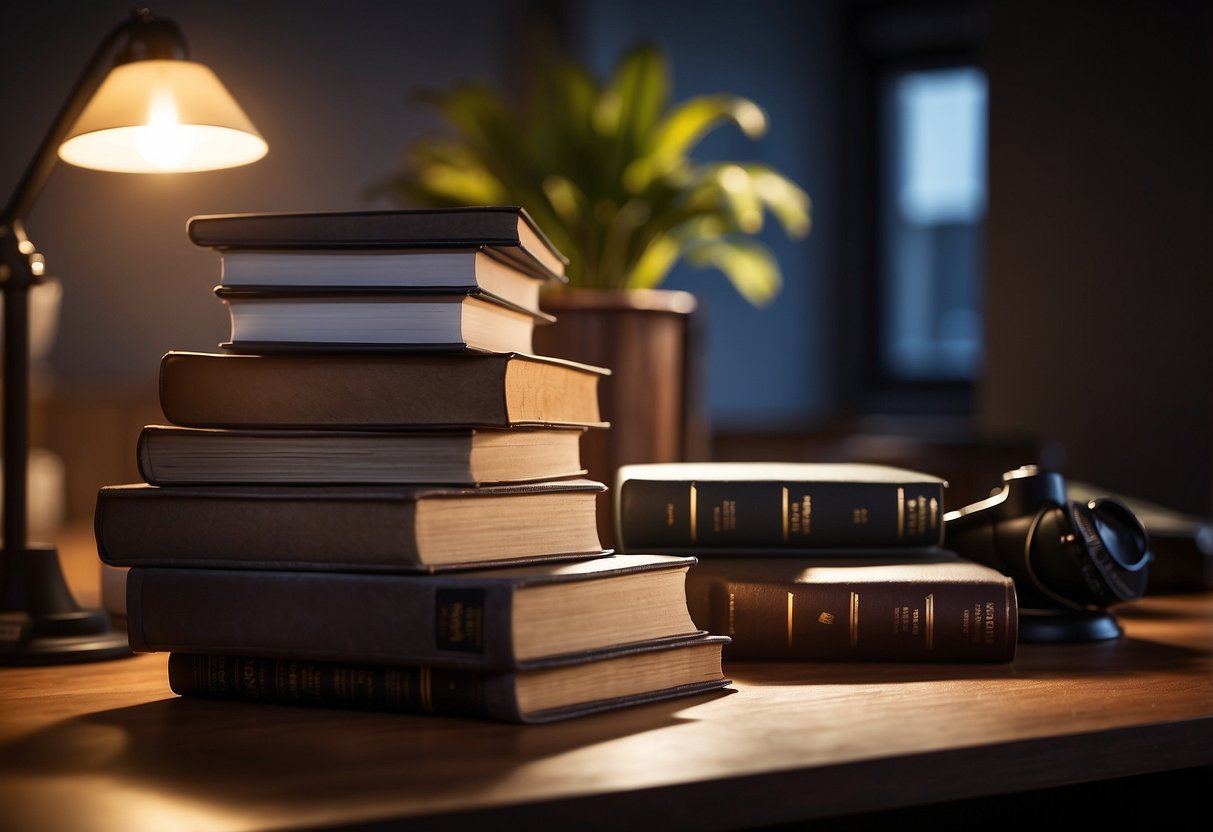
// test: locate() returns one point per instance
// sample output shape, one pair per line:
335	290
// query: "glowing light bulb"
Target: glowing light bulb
164	143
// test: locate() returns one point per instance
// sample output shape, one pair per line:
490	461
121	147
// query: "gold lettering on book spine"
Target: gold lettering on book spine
934	514
791	605
694	513
930	608
854	618
901	513
424	690
784	498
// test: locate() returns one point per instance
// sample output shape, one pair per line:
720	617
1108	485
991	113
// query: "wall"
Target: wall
1100	236
327	84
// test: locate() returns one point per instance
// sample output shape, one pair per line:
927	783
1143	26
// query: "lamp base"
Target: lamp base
40	622
1047	626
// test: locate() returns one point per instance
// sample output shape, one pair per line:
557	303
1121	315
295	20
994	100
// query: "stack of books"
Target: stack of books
819	561
373	496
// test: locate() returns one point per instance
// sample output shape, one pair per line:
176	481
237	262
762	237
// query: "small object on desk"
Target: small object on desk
501	619
1182	544
359	528
715	509
924	609
1071	560
401	390
575	686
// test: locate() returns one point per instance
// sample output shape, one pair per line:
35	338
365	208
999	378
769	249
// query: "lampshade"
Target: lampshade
157	116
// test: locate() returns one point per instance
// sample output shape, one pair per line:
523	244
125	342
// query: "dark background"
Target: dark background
1098	262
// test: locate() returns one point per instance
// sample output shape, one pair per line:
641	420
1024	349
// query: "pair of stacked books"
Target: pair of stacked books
368	499
819	561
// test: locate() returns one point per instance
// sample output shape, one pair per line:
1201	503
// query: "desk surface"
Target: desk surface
108	746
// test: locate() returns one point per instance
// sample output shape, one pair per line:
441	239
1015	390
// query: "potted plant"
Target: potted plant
605	169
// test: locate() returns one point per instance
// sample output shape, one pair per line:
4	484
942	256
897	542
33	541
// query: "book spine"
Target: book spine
656	515
415	690
369	618
866	621
183	528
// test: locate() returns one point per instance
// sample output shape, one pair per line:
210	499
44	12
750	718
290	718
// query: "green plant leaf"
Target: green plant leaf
748	264
654	263
641	84
605	170
668	144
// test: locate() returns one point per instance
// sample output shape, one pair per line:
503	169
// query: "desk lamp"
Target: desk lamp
138	107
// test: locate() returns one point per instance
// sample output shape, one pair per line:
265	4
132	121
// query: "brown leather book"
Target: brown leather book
374	528
933	608
170	455
647	672
380	390
505	619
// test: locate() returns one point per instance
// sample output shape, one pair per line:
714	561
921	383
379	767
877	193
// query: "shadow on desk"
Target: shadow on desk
1040	662
317	759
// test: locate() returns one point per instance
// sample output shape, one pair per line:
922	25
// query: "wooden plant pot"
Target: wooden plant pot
652	341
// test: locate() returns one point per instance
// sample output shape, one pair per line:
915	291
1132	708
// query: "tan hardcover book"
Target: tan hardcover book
500	618
479	269
169	455
265	319
396	390
930	608
351	528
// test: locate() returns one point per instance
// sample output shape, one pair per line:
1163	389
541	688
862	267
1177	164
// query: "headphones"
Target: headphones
1064	556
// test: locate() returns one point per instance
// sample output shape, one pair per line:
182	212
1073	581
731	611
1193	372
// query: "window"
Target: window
915	132
932	203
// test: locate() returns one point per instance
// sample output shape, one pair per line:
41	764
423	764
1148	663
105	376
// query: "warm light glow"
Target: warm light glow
164	143
157	116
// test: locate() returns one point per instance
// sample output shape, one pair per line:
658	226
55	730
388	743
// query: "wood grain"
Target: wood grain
108	746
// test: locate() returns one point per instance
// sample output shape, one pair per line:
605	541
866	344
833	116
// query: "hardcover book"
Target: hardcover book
715	508
452	271
372	528
170	455
648	672
291	319
405	390
933	608
504	619
507	228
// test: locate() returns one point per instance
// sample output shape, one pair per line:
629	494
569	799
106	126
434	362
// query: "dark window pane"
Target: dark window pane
933	203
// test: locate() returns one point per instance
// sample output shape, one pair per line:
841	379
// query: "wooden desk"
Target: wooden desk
108	746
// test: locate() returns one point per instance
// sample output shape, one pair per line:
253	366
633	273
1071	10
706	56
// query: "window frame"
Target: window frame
881	38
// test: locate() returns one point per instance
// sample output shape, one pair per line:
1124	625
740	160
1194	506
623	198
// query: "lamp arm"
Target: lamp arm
146	37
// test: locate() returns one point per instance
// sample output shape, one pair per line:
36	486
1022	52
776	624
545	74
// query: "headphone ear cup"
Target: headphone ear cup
1088	556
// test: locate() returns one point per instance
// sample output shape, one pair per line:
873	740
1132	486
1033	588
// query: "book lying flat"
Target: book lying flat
715	508
930	608
376	528
505	227
333	390
504	619
277	319
170	455
462	270
643	673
